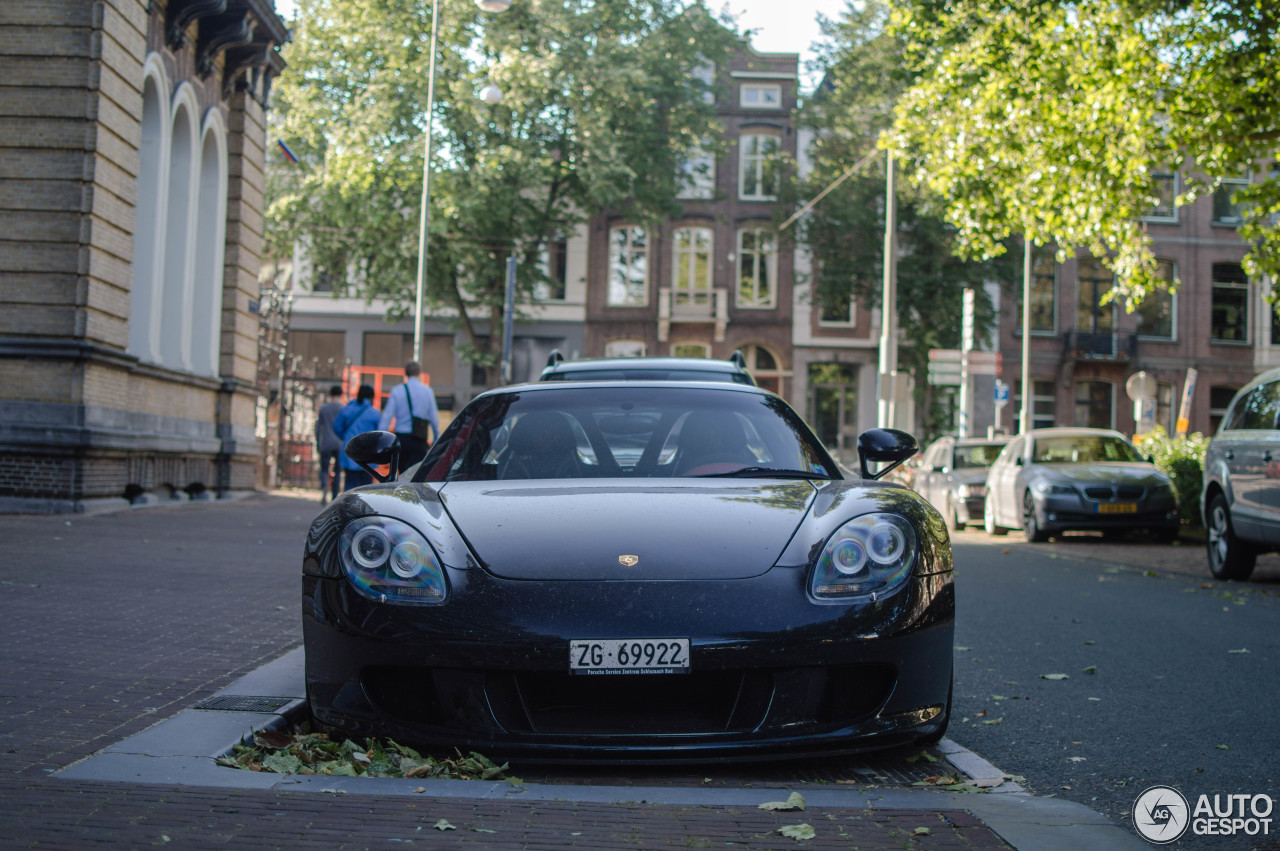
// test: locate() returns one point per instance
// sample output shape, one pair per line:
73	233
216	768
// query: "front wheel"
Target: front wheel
1030	522
1229	557
989	519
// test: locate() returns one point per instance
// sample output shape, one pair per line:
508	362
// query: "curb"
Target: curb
181	751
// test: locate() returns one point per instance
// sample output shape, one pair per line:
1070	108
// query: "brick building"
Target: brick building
1082	352
131	156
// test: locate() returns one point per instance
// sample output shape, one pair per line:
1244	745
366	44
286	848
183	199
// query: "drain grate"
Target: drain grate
244	703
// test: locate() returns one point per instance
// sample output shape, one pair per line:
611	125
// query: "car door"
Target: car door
929	475
1000	483
1249	449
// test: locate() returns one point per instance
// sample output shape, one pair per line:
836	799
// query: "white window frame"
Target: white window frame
1228	184
704	349
766	258
756	95
1176	180
687	257
624	349
698	175
1173	308
755	163
614	269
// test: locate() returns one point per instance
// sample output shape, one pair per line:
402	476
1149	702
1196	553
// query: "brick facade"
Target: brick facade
85	420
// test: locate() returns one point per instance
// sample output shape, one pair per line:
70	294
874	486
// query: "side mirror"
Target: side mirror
884	445
374	449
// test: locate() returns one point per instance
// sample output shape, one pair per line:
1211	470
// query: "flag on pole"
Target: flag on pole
284	149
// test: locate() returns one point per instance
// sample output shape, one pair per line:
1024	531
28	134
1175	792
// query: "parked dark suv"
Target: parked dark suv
647	369
1240	501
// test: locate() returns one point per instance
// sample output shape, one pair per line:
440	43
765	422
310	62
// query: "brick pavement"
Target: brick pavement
115	621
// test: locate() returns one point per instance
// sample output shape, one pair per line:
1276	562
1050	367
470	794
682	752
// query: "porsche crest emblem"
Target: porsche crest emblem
628	561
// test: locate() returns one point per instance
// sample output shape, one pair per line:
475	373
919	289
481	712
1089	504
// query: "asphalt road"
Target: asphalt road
1171	677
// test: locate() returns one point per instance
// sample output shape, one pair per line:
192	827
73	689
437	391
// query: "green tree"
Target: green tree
1049	119
602	104
864	75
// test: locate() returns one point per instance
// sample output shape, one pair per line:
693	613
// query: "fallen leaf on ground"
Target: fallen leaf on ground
1092	669
1223	747
1076	758
798	831
987	782
443	824
1241	650
1054	677
994	721
921	831
420	789
794	801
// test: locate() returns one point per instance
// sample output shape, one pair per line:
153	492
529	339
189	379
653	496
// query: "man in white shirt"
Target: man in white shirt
411	401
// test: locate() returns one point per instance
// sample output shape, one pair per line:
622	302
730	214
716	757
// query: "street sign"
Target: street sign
980	363
966	326
1002	393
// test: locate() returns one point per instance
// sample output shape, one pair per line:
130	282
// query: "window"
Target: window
1155	315
838	312
692	274
756	181
1219	399
321	354
1044	293
1224	211
691	350
1043	402
1229	313
1165	412
628	267
624	349
760	96
764	368
1164	189
1094	404
1095	281
554	263
697	176
757	264
1257	410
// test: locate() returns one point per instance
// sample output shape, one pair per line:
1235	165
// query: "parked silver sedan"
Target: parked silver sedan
1052	480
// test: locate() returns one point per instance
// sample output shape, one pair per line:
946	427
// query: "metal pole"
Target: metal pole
508	319
1024	419
424	218
889	308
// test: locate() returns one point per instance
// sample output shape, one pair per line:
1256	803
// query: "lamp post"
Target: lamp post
424	219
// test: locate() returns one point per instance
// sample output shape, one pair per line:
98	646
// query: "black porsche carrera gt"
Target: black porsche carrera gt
652	570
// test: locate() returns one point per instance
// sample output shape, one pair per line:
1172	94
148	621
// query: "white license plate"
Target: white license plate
599	656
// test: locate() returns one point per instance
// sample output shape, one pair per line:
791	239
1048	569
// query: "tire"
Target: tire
989	520
950	517
936	736
1030	523
1229	557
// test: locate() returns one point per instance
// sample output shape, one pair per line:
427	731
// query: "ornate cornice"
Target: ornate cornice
181	13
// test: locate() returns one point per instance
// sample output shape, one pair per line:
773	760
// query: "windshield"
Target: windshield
980	455
578	431
1083	449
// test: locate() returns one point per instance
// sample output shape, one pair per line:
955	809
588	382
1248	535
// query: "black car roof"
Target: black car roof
621	384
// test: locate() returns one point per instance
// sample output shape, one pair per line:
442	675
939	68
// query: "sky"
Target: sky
781	26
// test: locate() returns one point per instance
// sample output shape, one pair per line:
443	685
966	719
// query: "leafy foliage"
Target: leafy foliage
1049	118
865	74
601	105
304	752
1182	459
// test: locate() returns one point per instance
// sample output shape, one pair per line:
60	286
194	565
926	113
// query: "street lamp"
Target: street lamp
425	217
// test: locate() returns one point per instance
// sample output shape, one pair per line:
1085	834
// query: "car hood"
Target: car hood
1103	473
699	529
970	475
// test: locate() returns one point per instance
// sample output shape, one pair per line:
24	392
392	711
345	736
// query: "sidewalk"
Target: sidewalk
114	622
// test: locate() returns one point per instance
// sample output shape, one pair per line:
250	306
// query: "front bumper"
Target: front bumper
1062	512
771	672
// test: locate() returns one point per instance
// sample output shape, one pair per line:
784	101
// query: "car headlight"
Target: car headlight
1044	488
390	562
868	556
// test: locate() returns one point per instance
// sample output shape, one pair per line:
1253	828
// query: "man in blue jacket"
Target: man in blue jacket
357	417
412	406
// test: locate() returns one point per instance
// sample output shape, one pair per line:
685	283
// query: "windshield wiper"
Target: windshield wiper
768	473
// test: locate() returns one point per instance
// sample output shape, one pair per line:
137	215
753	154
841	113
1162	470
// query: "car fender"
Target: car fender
1215	474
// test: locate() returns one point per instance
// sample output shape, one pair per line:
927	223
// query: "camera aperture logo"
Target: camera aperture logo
1160	814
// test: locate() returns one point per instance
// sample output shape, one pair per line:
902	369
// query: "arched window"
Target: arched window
765	368
148	239
175	291
210	249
